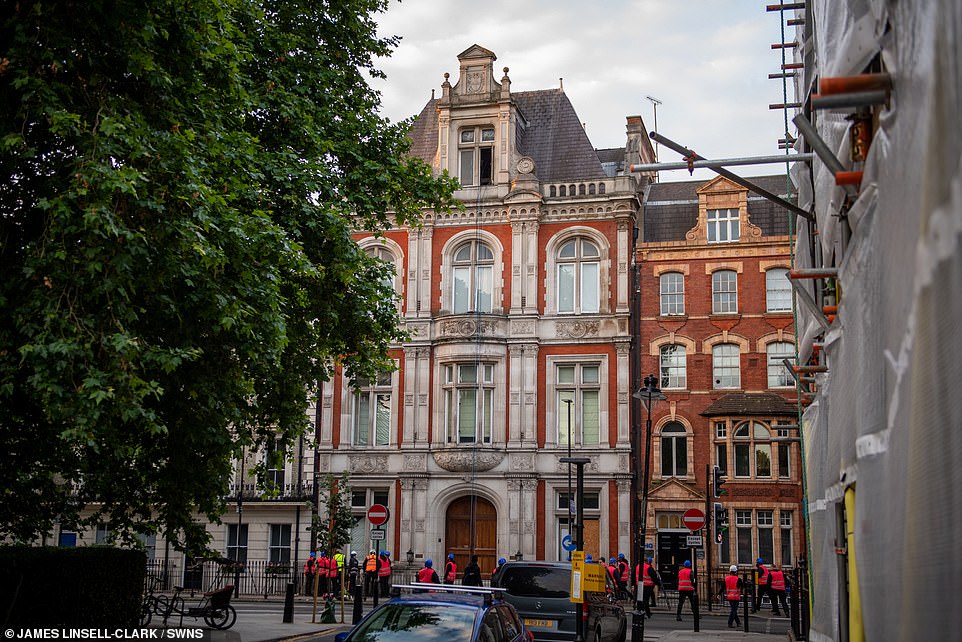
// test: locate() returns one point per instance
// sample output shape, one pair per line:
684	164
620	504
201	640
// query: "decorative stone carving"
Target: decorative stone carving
529	398
522	327
467	327
591	466
364	464
529	484
576	329
408	399
522	461
419	526
515	398
525	165
514	484
513	527
405	525
414	463
418	329
462	460
423	399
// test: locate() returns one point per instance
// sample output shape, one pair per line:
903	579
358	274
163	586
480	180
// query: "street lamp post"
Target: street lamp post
649	394
570	498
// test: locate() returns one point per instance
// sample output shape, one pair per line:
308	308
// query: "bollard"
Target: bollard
289	603
358	604
746	593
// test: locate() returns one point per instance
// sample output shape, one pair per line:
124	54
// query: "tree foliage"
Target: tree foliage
178	185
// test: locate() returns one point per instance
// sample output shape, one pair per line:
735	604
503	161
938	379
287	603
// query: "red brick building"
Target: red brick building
716	323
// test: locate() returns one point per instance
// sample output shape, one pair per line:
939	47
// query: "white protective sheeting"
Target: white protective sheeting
887	419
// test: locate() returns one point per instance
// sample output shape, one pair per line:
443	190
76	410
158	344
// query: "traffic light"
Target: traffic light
717	480
721	521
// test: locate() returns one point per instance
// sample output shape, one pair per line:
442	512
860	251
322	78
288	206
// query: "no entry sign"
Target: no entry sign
378	514
693	519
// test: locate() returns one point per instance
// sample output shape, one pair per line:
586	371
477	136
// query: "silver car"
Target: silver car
540	593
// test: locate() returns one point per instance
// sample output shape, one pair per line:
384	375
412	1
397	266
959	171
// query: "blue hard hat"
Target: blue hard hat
428	563
450	556
612	560
759	561
621	556
588	557
649	560
501	561
313	554
687	563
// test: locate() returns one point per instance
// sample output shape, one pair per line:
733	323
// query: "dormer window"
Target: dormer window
723	226
475	154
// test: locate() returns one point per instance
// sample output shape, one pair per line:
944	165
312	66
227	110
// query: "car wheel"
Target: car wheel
598	633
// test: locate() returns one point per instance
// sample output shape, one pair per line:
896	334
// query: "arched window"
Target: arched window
752	445
552	191
672	286
473	267
778	375
601	188
382	253
724	292
578	263
778	290
581	190
591	188
674	450
726	365
673	366
562	190
572	189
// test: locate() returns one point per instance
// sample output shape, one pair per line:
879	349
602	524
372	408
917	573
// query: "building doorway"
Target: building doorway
672	552
471	528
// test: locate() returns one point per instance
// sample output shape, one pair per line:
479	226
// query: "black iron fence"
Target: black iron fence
256	578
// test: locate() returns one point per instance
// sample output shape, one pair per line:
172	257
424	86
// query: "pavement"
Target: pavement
272	630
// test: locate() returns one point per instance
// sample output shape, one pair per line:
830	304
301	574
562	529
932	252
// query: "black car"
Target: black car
541	593
456	614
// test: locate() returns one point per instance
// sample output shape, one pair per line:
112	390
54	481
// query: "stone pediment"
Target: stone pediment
674	489
476	81
720	184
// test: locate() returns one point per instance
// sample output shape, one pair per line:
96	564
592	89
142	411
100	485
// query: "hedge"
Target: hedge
94	586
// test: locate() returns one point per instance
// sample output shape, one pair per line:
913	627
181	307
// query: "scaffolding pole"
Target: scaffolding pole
735	178
724	162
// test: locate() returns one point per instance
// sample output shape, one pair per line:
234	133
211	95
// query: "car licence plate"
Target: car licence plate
542	624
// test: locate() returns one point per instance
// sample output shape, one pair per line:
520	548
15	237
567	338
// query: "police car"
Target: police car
441	613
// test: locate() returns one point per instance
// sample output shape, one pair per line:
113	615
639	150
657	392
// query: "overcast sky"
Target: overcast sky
707	61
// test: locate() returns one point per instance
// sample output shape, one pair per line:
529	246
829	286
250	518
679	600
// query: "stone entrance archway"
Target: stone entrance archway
471	528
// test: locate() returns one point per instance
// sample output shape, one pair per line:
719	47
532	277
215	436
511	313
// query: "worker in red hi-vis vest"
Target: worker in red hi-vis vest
777	590
733	593
645	573
384	572
427	575
763	584
450	570
623	574
686	589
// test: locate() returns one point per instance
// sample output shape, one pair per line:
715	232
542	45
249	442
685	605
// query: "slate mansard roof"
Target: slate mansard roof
671	209
549	131
747	404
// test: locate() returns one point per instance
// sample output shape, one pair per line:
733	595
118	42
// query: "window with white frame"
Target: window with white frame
743	537
237	543
468	402
778	374
361	500
751	442
473	278
722	226
785	522
372	411
674	450
476	156
726	365
724	292
578	268
766	534
103	535
579	397
672	286
279	548
778	290
591	508
383	254
673	366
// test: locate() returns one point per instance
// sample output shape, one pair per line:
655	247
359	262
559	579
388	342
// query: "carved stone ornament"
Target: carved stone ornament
525	165
462	460
577	329
522	461
367	463
467	327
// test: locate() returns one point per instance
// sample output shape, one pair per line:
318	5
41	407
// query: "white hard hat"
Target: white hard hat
733	568
353	552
